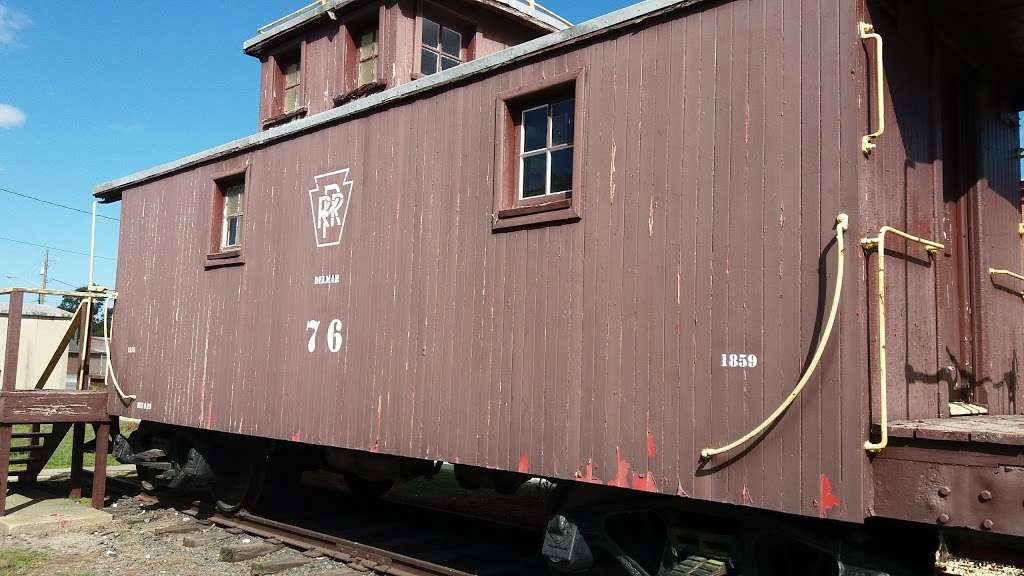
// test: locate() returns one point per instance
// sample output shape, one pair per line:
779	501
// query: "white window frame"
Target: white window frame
225	219
437	51
547	150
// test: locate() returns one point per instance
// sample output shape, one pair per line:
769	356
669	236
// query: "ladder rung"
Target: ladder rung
17	435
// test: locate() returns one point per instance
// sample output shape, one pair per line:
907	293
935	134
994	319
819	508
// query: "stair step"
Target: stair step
16	461
17	435
28	448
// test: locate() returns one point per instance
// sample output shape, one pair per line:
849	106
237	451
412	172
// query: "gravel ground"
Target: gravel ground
129	547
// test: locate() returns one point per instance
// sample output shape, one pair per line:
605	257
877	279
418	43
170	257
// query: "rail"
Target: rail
879	242
867	31
842	223
993	272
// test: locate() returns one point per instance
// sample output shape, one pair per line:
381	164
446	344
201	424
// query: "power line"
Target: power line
59	205
55	249
59	281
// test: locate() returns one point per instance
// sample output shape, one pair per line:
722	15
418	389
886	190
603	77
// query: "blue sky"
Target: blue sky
91	91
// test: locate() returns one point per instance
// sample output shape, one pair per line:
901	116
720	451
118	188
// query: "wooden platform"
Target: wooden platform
987	429
50	406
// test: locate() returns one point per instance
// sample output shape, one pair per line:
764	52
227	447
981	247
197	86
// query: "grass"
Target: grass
62	456
15	562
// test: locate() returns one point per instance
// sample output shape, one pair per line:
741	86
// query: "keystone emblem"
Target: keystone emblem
329	203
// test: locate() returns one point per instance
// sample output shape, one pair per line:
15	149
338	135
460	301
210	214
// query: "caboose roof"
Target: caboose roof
111	191
535	14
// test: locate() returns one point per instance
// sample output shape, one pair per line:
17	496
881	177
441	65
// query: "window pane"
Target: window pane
239	228
230	231
368	45
534	174
561	170
562	119
428	62
431	33
535	128
451	42
447	63
291	99
367	71
291	74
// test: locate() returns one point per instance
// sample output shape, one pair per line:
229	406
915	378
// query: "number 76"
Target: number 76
334	337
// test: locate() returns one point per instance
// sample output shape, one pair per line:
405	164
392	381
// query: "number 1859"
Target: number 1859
739	360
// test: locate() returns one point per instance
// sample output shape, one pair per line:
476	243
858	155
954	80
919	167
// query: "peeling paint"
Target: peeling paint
296	437
828	499
622	467
745	496
652	448
524	464
650	219
611	176
680	491
644	482
586	473
376	440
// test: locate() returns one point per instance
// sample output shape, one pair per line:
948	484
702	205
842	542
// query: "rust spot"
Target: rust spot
828	499
586	474
652	448
622	467
296	437
524	464
644	482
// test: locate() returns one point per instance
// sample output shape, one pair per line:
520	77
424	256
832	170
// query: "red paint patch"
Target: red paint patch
828	499
621	471
296	437
524	464
586	474
209	414
645	482
652	448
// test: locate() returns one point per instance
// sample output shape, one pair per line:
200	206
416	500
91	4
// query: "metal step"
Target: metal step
29	448
16	461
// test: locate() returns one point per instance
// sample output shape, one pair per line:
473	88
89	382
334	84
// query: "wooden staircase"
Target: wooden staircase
63	410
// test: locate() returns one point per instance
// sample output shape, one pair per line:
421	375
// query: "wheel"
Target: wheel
363	490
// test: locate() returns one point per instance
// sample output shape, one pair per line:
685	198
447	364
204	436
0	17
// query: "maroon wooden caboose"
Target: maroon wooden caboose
595	254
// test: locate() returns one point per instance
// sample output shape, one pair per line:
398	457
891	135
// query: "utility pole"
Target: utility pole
43	272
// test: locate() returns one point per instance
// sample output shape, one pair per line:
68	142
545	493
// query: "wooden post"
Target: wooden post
10	382
84	342
99	471
77	451
5	464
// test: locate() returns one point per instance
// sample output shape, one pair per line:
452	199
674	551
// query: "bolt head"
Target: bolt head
987	524
944	491
985	495
943	518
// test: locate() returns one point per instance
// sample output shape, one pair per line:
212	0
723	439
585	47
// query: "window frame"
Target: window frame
218	255
511	210
355	24
444	18
547	150
276	113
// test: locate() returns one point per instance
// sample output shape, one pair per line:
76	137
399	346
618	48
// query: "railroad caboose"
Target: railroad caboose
751	266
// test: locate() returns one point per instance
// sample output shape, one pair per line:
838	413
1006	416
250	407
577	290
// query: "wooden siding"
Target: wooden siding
720	145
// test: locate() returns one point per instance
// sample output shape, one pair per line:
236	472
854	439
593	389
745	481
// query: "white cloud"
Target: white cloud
11	117
11	21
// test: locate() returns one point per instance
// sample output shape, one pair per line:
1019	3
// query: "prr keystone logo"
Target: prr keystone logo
329	203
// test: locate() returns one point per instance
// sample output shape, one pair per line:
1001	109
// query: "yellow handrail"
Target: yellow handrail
866	31
879	242
842	223
1002	272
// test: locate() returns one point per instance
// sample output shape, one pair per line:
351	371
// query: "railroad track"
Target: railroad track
437	550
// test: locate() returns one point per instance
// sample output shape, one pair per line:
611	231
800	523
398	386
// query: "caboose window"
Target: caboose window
291	83
232	225
546	149
441	48
369	53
